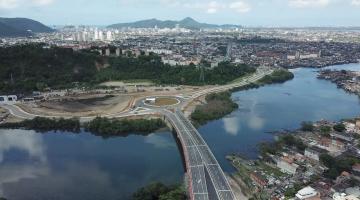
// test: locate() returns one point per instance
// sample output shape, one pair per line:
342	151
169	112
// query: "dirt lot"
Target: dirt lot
81	106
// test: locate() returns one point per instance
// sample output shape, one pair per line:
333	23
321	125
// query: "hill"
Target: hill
21	27
25	68
188	23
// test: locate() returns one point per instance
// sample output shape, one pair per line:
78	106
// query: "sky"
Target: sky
269	13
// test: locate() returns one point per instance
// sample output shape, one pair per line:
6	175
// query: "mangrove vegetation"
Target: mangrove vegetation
217	105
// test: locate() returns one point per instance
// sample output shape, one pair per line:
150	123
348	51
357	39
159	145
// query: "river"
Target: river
68	166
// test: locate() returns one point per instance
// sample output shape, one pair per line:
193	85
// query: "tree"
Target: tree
340	127
325	129
307	126
159	191
327	160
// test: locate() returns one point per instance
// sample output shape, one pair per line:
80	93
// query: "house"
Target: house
307	193
150	100
331	145
8	99
287	165
356	171
314	153
260	180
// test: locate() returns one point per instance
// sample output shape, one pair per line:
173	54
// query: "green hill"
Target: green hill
21	27
188	23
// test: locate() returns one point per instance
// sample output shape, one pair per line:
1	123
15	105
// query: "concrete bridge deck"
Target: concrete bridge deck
207	181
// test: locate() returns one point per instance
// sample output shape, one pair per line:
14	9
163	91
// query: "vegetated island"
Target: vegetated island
159	191
99	126
220	104
313	155
217	105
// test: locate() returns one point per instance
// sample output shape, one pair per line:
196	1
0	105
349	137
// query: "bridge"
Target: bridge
207	180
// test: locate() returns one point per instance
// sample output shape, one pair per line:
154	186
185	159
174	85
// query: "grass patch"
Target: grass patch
165	101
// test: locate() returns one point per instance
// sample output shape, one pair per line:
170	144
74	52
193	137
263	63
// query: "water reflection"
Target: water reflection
277	107
29	143
231	125
159	142
69	166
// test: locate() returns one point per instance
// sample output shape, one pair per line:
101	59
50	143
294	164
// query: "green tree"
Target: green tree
307	126
340	127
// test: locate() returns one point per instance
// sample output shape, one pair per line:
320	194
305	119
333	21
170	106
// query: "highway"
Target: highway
206	179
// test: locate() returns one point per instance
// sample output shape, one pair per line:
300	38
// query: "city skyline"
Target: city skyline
276	13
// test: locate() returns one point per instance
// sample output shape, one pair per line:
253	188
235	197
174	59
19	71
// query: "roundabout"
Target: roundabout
161	101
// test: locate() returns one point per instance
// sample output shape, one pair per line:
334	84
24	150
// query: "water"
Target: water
276	107
82	166
34	166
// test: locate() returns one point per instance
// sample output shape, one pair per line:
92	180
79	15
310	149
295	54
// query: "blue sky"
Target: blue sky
243	12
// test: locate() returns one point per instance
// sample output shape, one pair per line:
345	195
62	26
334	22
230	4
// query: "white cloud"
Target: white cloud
216	6
355	2
11	4
240	6
42	2
308	3
8	4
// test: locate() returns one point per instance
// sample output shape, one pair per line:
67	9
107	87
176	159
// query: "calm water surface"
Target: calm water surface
81	166
71	166
276	107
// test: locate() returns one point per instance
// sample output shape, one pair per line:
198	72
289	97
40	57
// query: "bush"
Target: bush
113	127
307	126
217	105
159	191
340	127
278	76
43	124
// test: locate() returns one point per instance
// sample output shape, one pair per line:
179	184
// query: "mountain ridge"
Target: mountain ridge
21	27
187	22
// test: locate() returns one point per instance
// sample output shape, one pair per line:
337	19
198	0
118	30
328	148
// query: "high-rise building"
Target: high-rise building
109	36
101	36
96	34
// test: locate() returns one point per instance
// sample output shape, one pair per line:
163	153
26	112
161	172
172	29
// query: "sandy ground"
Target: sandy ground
239	195
5	117
80	106
87	105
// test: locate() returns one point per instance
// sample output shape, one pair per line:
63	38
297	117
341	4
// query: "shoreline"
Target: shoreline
253	174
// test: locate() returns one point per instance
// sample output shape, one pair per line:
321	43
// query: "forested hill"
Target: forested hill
21	27
34	67
188	23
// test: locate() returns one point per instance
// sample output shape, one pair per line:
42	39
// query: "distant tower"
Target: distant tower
202	73
109	36
229	51
195	52
96	34
12	79
101	36
118	52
